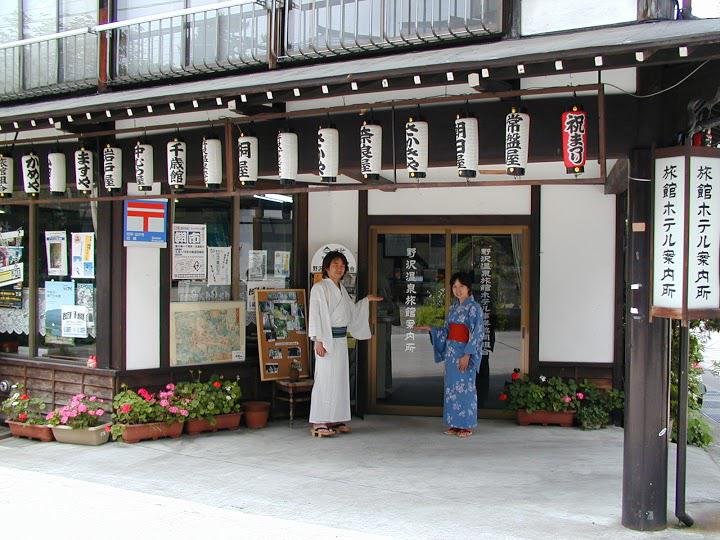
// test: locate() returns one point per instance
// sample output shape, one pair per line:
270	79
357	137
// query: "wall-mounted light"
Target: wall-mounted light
69	118
485	73
385	83
682	52
521	69
108	113
325	89
195	103
417	80
269	94
450	76
129	111
558	65
88	116
51	121
33	123
296	92
243	98
218	101
150	109
353	86
172	106
640	56
598	61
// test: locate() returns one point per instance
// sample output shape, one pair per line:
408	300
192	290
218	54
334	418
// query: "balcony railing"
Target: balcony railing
215	37
48	64
333	27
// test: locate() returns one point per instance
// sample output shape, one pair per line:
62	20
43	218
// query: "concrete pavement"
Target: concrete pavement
394	477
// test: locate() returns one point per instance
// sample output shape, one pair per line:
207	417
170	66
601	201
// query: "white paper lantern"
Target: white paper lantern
7	176
287	143
144	172
57	173
328	154
31	173
84	176
466	146
517	138
212	162
370	151
177	164
416	148
247	159
112	168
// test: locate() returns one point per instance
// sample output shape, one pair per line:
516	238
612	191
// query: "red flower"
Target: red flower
107	428
24	396
502	397
515	376
125	408
217	384
22	416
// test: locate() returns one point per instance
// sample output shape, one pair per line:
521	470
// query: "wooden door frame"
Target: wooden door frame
448	229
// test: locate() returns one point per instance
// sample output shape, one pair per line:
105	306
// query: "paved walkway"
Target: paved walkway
394	477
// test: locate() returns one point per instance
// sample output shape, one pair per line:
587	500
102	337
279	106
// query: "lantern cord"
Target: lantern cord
659	91
12	147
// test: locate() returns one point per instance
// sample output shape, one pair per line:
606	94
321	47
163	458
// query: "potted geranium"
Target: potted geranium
597	406
143	415
78	422
211	405
24	415
541	401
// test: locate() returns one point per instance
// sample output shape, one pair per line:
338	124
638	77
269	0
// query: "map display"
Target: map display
207	332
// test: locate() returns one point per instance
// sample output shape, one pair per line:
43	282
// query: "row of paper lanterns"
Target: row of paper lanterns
517	130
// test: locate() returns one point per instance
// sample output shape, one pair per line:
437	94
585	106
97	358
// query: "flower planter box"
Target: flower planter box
545	418
31	431
222	421
133	433
93	436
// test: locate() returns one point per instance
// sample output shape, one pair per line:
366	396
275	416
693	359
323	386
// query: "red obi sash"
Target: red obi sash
459	332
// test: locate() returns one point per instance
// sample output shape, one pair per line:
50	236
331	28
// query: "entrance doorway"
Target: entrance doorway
411	269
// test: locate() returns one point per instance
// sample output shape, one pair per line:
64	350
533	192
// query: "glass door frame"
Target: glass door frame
448	231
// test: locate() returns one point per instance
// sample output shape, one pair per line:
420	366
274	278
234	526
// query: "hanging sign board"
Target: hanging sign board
282	333
686	233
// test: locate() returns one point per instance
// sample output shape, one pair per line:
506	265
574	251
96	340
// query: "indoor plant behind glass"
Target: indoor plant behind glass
143	415
78	422
543	401
211	405
24	415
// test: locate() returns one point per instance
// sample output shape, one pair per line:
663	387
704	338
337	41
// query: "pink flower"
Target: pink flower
99	412
82	408
567	399
170	386
50	415
173	410
164	403
183	412
64	420
93	398
107	428
580	395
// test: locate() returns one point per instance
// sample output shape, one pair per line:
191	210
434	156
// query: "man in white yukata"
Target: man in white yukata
332	315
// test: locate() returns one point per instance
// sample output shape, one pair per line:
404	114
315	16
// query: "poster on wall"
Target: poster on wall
56	251
189	251
252	286
11	265
282	264
83	255
85	297
11	298
207	332
74	322
282	333
57	295
218	265
257	265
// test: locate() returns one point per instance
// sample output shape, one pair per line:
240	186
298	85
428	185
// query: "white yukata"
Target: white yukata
330	307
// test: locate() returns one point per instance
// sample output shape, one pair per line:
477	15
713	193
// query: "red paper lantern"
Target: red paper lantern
574	139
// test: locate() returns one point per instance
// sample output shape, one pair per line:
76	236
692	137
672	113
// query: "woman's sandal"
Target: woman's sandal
464	433
451	431
322	431
342	428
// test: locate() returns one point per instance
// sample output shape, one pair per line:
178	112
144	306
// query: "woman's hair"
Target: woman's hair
463	278
329	257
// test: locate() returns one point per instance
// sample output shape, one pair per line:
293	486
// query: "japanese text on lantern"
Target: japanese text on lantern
32	172
412	151
668	233
322	154
83	165
704	234
574	138
5	172
513	142
176	165
140	163
244	155
366	149
410	299
108	165
485	292
460	144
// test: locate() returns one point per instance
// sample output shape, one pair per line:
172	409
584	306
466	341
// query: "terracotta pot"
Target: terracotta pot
222	421
31	431
545	418
256	413
93	436
133	433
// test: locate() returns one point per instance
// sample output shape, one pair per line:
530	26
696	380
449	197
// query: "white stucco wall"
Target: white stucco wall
577	274
540	16
451	201
332	219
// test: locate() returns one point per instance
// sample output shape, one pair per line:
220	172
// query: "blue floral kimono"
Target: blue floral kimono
460	409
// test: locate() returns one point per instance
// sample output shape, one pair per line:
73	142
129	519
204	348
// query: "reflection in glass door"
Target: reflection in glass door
412	267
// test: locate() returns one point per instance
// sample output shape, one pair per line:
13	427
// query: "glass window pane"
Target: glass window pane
78	53
40	60
14	294
9	58
66	280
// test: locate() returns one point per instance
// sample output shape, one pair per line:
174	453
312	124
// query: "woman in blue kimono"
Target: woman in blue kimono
459	344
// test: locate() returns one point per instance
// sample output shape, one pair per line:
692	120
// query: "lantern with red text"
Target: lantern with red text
574	140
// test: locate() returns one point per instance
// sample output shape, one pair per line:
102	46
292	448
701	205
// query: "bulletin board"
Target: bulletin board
282	332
